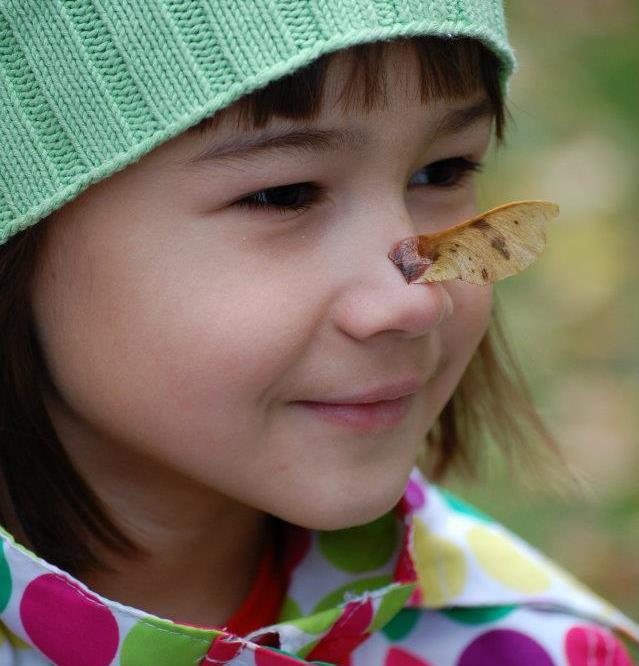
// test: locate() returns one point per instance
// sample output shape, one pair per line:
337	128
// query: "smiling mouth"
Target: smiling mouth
379	393
363	418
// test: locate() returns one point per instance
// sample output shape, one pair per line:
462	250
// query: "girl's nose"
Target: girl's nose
378	299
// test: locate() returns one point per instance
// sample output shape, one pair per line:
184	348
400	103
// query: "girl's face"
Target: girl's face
185	308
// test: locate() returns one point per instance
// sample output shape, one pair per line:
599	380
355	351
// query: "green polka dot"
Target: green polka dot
358	587
317	623
402	624
308	648
5	581
480	615
392	602
279	651
462	507
290	610
361	548
154	642
12	543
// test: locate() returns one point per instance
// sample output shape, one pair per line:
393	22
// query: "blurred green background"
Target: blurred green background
573	318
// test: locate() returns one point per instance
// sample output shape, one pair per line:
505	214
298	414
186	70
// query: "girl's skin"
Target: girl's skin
180	328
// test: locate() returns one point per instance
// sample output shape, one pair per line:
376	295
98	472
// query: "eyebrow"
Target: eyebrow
459	119
316	140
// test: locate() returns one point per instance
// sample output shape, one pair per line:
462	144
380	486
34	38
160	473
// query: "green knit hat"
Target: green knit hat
89	86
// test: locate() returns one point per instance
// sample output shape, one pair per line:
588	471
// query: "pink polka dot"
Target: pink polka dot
67	624
590	646
398	657
414	495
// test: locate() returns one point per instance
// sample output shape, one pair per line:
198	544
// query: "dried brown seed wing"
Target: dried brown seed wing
463	257
496	244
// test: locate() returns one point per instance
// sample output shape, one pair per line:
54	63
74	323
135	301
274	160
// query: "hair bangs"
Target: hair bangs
449	68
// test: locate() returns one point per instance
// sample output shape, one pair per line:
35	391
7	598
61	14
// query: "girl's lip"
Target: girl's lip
362	417
379	393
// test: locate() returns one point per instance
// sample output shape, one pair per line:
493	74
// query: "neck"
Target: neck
203	548
192	575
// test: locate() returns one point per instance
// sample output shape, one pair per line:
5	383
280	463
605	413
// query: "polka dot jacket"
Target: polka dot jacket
432	583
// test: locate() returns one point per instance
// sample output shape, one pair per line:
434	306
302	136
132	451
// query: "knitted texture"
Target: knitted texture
89	86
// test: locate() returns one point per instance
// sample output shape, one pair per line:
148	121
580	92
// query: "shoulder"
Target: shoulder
484	595
437	583
510	635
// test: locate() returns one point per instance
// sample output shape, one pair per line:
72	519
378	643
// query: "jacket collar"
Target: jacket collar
431	551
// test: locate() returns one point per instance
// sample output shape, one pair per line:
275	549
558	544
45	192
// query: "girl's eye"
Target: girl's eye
299	197
446	173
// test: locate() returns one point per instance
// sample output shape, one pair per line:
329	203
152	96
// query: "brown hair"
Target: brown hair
44	501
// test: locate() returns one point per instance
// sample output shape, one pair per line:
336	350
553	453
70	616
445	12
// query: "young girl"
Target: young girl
215	383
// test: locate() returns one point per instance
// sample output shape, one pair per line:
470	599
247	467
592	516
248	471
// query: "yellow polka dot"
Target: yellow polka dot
440	564
7	635
501	559
17	642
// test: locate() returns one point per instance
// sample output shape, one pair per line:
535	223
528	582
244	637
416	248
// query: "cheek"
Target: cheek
178	349
462	332
228	346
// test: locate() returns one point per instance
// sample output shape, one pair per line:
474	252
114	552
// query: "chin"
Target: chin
349	507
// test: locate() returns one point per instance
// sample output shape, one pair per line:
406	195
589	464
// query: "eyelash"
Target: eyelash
461	166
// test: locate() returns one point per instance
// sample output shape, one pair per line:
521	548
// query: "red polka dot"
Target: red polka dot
347	633
297	545
416	599
224	649
398	657
67	624
266	657
594	646
404	569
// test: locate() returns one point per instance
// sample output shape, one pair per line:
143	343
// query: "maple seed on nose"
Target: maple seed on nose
500	245
483	249
481	224
407	257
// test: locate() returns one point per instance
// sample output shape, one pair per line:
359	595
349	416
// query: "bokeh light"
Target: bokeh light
573	318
